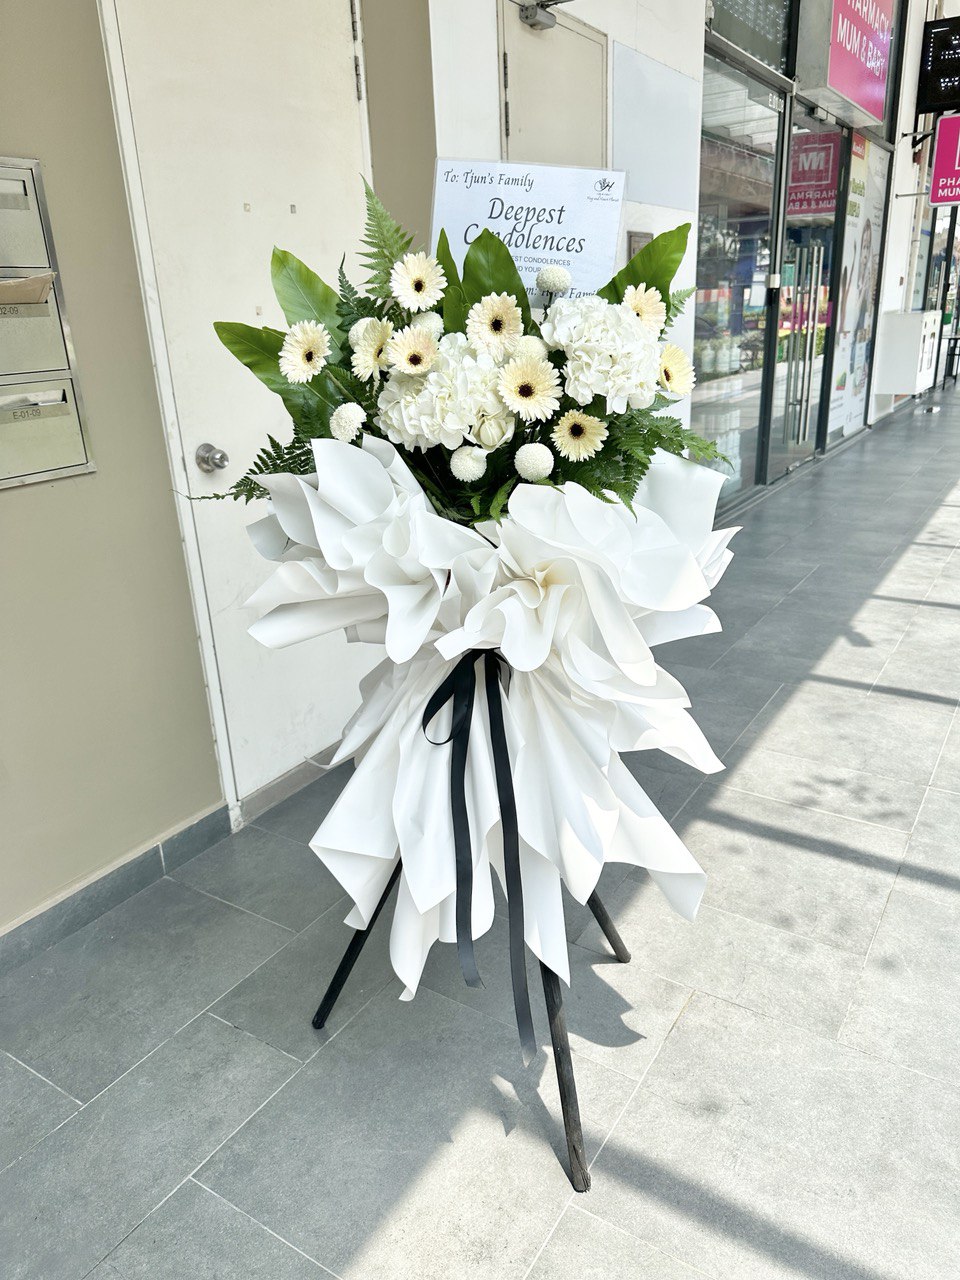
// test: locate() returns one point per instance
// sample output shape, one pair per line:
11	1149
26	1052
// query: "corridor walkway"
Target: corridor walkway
771	1092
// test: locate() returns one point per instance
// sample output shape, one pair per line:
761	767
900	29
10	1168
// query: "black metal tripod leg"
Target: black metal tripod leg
350	957
579	1173
602	917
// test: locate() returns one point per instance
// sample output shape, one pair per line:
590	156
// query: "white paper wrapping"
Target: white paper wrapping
574	593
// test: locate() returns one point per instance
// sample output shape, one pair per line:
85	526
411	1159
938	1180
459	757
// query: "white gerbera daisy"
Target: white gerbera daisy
417	282
578	436
647	305
369	359
530	386
533	461
304	351
553	279
346	420
495	324
676	372
431	321
468	464
412	350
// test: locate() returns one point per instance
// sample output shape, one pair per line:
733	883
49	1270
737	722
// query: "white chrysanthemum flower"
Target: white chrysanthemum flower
369	359
677	377
358	329
647	305
417	281
578	436
346	420
495	324
531	345
457	400
412	350
530	387
304	351
431	321
552	279
468	464
533	461
609	352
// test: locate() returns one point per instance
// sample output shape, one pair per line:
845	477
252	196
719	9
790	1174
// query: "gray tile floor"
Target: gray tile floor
771	1092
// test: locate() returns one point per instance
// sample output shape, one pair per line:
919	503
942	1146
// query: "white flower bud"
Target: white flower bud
468	464
345	421
552	279
533	461
429	320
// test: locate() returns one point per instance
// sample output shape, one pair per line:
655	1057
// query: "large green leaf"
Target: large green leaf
454	303
489	268
259	350
655	266
304	296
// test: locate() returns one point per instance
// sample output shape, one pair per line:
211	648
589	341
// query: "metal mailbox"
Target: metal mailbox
41	410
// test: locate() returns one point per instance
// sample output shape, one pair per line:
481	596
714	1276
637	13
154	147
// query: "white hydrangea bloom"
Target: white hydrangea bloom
457	399
609	352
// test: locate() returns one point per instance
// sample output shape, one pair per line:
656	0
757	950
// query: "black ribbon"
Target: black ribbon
460	686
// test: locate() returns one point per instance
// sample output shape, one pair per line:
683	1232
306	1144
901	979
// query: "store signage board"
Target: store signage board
814	169
945	170
860	52
545	214
938	87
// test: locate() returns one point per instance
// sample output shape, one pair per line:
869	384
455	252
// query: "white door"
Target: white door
554	91
240	128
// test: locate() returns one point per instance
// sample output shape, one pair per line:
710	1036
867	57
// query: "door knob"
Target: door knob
210	458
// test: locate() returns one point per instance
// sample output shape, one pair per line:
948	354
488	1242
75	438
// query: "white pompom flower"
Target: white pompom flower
553	279
431	321
531	345
304	351
417	282
676	371
533	461
530	387
346	421
413	350
468	464
495	324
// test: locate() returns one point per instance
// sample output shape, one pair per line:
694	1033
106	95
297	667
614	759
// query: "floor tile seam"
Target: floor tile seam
356	1013
259	1039
264	1227
550	1234
235	905
658	1249
113	1248
815	808
40	1076
943	746
269	831
904	1067
866	773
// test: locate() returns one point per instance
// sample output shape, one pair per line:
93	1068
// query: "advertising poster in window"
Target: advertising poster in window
863	226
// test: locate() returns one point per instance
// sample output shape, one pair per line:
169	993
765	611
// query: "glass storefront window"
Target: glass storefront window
760	27
741	125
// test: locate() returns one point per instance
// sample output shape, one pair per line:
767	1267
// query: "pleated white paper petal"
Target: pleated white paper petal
574	593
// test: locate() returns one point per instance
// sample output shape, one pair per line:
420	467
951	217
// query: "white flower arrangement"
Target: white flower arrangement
444	363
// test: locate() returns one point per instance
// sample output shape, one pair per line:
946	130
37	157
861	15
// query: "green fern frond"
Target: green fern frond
385	241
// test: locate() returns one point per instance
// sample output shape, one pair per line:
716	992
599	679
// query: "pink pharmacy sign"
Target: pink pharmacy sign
860	52
945	172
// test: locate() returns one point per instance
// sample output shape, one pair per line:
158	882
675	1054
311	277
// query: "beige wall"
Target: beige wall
105	738
403	141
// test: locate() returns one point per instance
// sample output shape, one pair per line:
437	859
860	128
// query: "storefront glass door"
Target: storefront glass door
741	128
806	308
